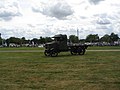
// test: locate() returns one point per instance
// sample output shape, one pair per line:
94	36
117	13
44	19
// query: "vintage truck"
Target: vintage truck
60	44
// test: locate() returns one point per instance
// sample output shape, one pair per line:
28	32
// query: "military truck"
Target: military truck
61	44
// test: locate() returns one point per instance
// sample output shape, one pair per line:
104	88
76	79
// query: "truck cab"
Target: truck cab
59	44
61	40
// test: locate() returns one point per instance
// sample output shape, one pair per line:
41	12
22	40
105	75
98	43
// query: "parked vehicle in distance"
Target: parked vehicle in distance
60	44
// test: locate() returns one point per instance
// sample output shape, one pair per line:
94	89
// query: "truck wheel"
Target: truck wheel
73	53
83	52
80	50
54	54
46	53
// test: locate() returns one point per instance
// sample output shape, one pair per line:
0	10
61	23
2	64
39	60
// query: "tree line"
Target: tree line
24	41
91	38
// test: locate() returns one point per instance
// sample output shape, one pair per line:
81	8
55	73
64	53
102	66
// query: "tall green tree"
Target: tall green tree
113	37
48	39
35	40
23	40
92	38
42	40
73	39
105	38
0	41
14	40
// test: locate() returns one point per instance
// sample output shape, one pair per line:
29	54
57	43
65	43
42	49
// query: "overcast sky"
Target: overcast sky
35	18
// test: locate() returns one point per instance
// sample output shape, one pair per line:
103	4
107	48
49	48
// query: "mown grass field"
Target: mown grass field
34	71
103	47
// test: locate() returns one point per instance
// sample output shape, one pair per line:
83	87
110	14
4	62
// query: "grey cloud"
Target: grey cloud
102	15
7	15
103	21
6	33
95	1
7	12
36	9
104	27
17	32
58	10
61	10
83	17
30	25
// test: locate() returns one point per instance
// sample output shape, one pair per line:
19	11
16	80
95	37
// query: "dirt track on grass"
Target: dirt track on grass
113	50
21	51
110	50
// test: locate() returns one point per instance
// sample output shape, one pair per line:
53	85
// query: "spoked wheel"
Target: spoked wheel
81	51
73	53
46	53
51	53
54	54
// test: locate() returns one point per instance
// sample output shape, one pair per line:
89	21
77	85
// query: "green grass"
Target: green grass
37	48
103	47
21	48
34	71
